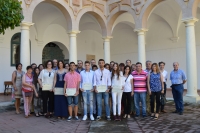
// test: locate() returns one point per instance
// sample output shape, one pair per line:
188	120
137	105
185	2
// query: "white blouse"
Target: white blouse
164	73
116	81
127	86
46	76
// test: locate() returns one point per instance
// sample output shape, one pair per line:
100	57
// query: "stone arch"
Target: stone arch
193	4
66	10
115	14
96	13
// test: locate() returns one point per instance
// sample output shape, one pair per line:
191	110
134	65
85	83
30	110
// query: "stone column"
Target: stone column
191	62
73	46
141	46
106	44
25	57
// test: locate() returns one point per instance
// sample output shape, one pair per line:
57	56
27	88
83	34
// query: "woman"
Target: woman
128	91
117	80
67	67
107	66
60	108
46	79
155	88
37	101
27	90
41	67
17	85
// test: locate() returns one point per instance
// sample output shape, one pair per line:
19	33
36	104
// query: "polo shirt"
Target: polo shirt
177	77
72	79
140	81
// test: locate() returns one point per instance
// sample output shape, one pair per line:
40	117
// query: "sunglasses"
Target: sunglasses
49	74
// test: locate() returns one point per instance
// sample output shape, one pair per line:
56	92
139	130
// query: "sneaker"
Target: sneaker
91	117
128	116
84	117
125	116
76	118
98	118
108	118
69	118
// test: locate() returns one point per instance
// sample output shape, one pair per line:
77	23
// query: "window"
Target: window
15	49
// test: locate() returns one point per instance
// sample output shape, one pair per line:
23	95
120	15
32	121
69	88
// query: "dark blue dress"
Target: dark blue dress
61	105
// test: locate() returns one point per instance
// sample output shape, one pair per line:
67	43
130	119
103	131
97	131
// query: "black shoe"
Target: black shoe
95	116
175	111
180	113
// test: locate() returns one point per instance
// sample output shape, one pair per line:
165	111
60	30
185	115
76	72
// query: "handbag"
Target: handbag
28	94
163	100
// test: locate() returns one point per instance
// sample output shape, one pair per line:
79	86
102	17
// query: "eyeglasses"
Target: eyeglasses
101	76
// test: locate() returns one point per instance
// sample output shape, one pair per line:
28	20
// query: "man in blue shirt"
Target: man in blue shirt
80	67
178	78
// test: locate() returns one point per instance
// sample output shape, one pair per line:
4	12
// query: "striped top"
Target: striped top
140	81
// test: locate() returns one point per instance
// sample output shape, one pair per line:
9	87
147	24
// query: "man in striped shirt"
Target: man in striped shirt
140	89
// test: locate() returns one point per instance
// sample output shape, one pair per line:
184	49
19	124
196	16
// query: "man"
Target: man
140	89
102	77
80	66
87	76
148	66
128	62
148	70
111	65
178	79
80	99
164	73
55	64
133	67
93	62
72	80
94	67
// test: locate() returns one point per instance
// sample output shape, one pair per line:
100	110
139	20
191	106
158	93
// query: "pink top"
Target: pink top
140	81
72	79
28	80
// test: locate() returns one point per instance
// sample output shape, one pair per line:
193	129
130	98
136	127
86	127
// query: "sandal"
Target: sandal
59	118
152	116
156	117
26	116
41	114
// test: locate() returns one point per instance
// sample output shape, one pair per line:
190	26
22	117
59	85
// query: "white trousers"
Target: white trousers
116	99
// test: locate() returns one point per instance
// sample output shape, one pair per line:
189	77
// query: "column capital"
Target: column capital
26	25
189	21
140	31
74	32
107	38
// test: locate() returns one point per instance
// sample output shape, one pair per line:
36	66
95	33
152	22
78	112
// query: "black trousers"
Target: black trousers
126	99
152	97
165	88
48	96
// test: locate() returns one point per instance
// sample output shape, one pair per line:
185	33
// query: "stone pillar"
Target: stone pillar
73	46
106	44
191	62
141	46
25	45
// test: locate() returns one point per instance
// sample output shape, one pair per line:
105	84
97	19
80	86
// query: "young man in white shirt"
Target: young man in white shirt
102	78
86	87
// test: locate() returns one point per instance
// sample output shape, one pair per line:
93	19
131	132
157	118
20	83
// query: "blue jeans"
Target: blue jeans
75	100
177	91
105	95
140	96
88	95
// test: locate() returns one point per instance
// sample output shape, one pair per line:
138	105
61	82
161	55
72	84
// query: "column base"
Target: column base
191	99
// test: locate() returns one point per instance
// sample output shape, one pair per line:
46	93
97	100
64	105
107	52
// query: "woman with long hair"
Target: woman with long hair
17	85
117	80
155	88
126	97
60	107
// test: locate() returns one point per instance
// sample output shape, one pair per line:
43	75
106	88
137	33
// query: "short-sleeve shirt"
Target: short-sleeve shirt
46	76
140	81
127	86
72	79
177	77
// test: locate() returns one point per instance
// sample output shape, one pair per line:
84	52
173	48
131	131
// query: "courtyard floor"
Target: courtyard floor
189	122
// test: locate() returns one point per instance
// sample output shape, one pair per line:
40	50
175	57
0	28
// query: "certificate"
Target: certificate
71	91
87	86
58	91
117	88
101	88
46	87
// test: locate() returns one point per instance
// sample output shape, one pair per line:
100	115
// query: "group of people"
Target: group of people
126	86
